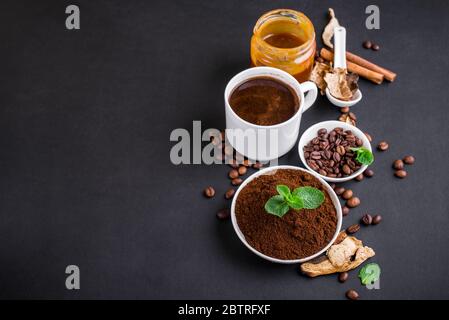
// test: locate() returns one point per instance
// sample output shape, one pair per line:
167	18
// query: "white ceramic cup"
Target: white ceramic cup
330	191
330	125
266	143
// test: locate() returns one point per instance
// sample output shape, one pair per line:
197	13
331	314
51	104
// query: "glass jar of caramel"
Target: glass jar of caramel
284	39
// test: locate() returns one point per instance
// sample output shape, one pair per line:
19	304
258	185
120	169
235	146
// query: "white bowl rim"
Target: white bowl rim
346	126
330	191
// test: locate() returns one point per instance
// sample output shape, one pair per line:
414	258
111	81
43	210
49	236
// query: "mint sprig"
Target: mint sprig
364	156
300	198
370	273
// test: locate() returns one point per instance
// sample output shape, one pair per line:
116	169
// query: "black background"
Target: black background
85	173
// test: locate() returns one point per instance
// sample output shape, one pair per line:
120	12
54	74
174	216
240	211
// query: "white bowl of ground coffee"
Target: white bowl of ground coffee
299	235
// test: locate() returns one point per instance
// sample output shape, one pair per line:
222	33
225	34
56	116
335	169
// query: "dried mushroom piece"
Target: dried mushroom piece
317	75
342	257
338	85
329	29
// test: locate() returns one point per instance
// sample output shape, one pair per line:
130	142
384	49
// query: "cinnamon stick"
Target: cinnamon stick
388	75
352	67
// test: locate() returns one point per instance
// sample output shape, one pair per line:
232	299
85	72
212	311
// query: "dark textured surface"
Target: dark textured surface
86	179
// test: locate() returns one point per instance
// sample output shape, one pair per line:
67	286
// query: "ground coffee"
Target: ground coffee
299	233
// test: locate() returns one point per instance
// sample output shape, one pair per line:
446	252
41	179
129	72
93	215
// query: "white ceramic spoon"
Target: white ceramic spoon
340	62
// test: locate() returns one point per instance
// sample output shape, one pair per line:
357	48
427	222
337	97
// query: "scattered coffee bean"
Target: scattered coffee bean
344	110
320	60
242	170
223	214
233	174
352	294
257	165
353	229
339	190
382	146
368	173
236	181
367	44
375	47
345	211
343	276
209	192
333	185
347	194
352	116
229	194
409	160
400	174
367	219
368	136
398	164
353	202
377	219
360	177
247	163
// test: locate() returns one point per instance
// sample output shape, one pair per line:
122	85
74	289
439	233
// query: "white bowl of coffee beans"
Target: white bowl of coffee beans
328	149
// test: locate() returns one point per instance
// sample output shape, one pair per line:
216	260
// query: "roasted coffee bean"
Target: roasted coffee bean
367	44
209	192
332	185
242	170
347	194
398	164
257	165
353	202
345	211
368	173
320	60
367	219
247	163
382	146
400	174
377	219
229	194
341	150
343	276
353	229
375	47
346	169
236	181
322	172
322	131
339	190
359	177
368	136
352	294
233	174
409	160
223	214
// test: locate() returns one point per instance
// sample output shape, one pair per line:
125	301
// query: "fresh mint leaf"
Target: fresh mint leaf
370	273
283	191
300	198
277	205
296	203
364	156
311	197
